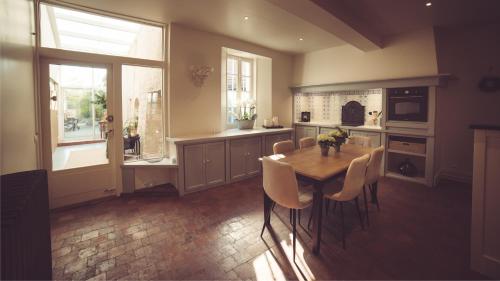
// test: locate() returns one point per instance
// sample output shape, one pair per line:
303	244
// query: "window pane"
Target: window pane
246	68
232	66
231	82
77	116
246	84
142	98
68	29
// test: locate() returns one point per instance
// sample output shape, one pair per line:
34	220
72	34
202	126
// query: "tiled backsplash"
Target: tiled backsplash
327	106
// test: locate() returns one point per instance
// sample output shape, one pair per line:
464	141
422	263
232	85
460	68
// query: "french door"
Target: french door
77	126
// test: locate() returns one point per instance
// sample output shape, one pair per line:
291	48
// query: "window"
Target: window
240	93
68	29
142	98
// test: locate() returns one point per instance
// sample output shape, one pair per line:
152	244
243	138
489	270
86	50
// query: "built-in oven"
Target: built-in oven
407	104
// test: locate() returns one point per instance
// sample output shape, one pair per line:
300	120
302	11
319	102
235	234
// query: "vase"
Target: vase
324	150
336	147
245	124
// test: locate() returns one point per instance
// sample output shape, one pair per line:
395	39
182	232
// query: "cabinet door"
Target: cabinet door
194	172
215	169
253	148
238	158
272	139
375	137
304	131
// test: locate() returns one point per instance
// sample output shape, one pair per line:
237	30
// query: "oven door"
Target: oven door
408	108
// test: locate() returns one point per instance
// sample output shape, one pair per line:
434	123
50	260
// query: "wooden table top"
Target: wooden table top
309	163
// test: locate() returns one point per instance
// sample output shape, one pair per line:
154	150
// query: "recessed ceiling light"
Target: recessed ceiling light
245	18
301	39
428	4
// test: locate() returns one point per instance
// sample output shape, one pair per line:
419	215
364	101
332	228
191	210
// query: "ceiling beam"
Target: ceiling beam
333	17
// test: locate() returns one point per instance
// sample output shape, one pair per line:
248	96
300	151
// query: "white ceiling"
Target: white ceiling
267	24
277	28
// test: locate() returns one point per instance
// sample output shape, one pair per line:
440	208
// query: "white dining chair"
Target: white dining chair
283	147
372	177
351	189
306	142
280	184
360	140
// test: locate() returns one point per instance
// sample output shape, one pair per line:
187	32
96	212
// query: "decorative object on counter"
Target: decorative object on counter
268	123
339	137
305	116
375	116
130	127
275	121
406	168
246	117
200	73
325	141
272	127
353	114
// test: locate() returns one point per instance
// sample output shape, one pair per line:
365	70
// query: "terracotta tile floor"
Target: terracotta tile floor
420	233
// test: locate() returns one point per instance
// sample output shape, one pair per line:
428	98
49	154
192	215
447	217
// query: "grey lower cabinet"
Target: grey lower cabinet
374	136
270	140
204	165
244	157
304	131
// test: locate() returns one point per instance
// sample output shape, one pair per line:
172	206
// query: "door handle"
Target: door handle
207	161
109	132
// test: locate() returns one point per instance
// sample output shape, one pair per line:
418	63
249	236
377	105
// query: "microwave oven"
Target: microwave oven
407	104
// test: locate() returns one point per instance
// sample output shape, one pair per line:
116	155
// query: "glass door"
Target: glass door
77	130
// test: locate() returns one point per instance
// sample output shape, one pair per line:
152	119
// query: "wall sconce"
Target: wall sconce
200	73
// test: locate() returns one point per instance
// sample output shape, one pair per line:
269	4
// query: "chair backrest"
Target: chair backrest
354	179
280	183
360	140
306	142
283	147
373	169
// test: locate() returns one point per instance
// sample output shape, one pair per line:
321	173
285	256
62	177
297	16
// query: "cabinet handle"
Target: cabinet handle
207	161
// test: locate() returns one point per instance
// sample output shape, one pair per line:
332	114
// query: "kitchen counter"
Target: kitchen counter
330	125
227	134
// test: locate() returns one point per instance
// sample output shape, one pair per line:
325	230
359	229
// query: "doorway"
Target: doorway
77	130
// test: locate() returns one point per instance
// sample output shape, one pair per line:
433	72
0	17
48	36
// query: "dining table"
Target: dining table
317	170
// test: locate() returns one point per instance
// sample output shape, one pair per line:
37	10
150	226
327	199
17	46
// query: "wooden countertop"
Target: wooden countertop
227	134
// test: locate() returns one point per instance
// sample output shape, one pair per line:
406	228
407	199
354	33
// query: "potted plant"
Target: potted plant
339	137
246	117
325	141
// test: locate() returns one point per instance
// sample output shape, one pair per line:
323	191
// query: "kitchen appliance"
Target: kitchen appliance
305	116
353	114
407	104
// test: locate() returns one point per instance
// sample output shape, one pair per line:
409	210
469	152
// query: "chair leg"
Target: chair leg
366	206
266	221
375	187
359	213
334	206
327	205
291	215
310	220
343	228
294	232
299	213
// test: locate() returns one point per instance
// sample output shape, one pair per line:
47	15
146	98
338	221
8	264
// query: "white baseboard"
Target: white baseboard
453	176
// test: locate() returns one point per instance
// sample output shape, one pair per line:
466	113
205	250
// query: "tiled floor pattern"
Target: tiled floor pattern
420	233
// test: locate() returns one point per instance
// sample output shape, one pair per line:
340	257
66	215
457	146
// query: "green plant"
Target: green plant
246	113
325	140
100	99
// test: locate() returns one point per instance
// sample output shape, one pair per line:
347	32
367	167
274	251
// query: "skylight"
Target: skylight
67	29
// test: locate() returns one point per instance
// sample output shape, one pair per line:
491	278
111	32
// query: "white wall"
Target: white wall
466	53
18	149
406	55
197	110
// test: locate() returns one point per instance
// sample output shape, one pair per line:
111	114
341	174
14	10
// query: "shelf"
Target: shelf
406	152
401	177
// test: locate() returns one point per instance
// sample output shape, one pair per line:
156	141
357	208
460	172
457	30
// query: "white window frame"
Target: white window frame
239	83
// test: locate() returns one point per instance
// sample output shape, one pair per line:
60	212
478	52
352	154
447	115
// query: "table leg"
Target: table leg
317	217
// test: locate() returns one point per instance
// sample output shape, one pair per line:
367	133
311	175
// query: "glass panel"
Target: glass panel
231	82
142	98
246	68
232	66
68	29
246	84
77	116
